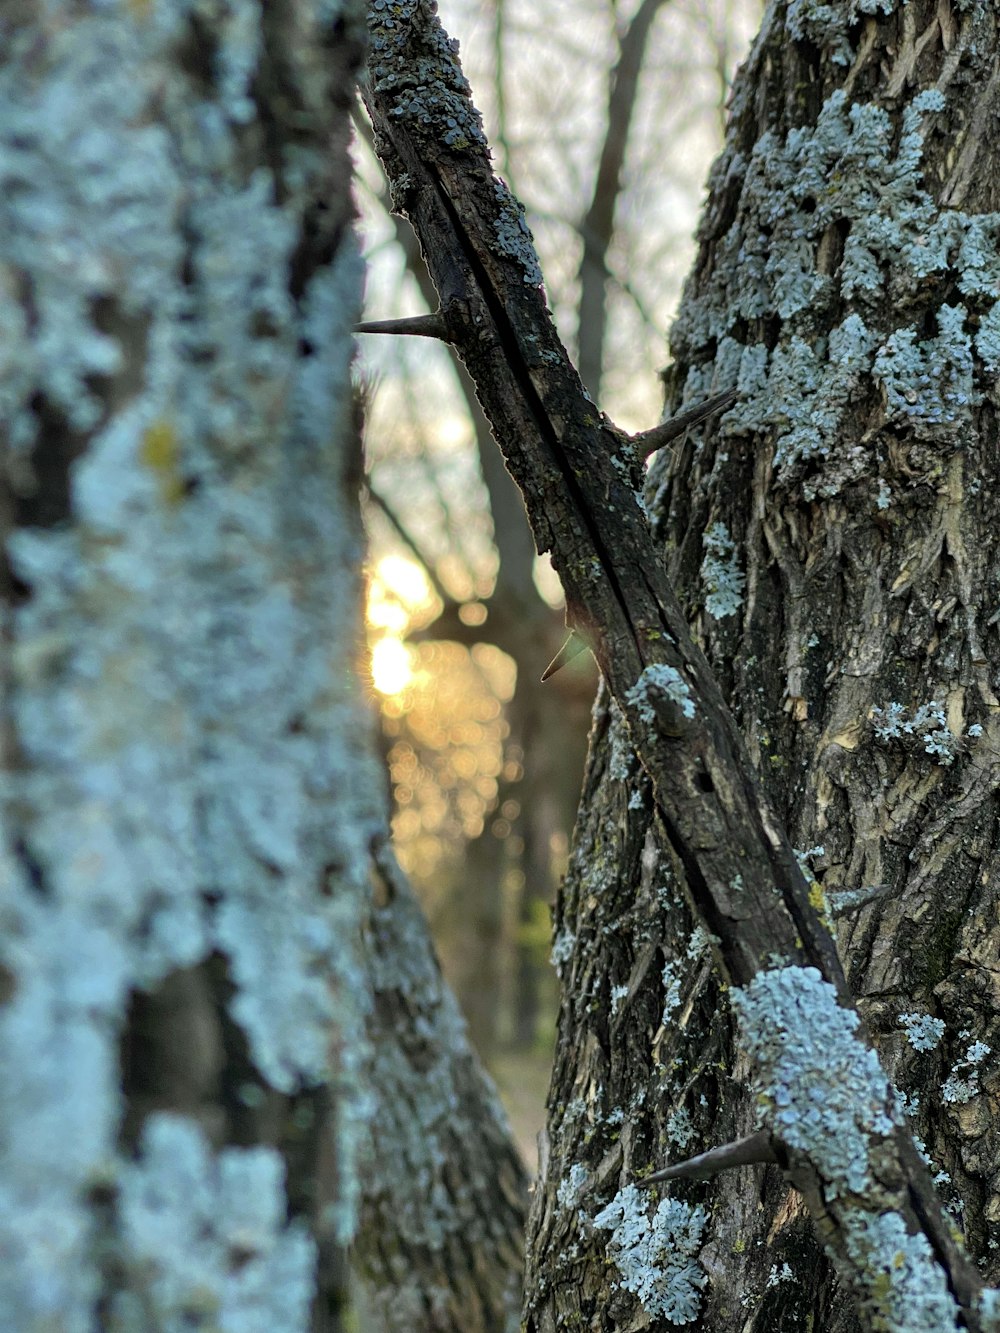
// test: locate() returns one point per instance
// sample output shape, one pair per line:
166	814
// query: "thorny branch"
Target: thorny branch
580	478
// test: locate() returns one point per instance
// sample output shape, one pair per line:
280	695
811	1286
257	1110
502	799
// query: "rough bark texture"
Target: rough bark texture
185	831
441	1242
834	545
854	1161
191	808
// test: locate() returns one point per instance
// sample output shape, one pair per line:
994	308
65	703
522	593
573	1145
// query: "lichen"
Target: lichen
659	681
962	1084
820	1087
192	777
928	385
208	1238
514	235
679	1127
721	575
905	1289
928	723
571	1184
699	942
421	80
671	990
826	24
854	328
656	1256
922	1031
622	762
562	949
823	1092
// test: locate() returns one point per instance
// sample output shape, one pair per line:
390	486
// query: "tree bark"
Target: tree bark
441	1242
846	604
831	1120
191	807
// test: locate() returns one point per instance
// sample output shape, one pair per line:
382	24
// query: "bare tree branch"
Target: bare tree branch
397	525
597	227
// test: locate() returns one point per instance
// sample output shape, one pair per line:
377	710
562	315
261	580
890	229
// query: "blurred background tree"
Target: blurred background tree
604	118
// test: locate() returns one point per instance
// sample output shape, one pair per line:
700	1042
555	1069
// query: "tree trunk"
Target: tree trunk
191	809
834	544
441	1242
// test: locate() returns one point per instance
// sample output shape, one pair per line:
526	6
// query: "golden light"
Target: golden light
405	580
392	669
399	596
388	616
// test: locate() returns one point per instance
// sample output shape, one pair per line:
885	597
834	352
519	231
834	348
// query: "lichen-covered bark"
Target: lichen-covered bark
441	1240
191	807
854	1161
834	544
186	819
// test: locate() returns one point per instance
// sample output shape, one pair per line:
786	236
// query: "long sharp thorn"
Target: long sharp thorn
420	326
744	1152
844	901
573	647
648	441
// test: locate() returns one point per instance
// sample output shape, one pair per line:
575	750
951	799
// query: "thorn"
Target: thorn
573	647
648	441
843	901
420	326
744	1152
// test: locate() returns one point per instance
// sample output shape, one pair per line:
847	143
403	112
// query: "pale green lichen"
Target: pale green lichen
514	235
721	575
823	1092
825	24
421	79
572	1183
856	173
928	723
191	777
962	1084
656	682
671	981
922	1031
820	1087
655	1253
905	1289
206	1238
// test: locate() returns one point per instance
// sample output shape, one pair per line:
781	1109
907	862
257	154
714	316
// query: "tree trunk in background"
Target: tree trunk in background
441	1241
836	549
191	809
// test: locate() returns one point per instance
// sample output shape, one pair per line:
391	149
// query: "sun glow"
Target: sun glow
404	580
392	669
399	596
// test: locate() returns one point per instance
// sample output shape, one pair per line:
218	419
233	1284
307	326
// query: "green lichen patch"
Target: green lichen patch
815	306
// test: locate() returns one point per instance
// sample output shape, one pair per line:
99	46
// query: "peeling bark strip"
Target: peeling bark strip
579	478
